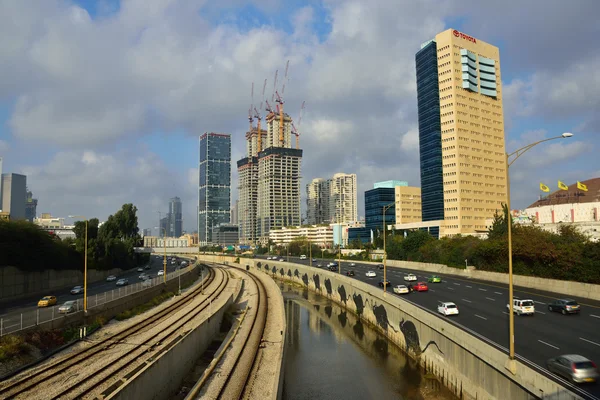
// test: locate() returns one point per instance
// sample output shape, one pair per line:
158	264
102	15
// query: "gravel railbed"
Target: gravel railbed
54	386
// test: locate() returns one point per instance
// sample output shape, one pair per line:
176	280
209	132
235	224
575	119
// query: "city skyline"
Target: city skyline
358	81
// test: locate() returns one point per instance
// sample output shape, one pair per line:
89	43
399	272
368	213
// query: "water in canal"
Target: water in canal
331	354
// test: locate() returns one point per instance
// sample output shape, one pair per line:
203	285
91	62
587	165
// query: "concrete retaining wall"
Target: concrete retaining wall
163	373
17	284
465	362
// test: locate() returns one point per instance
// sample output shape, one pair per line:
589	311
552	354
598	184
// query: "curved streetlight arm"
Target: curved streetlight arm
519	152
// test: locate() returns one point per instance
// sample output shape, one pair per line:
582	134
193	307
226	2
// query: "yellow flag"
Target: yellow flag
544	188
581	186
562	186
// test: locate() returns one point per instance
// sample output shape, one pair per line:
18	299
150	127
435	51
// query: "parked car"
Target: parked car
68	307
77	290
421	287
410	277
122	282
350	273
574	367
370	274
521	307
434	279
111	278
382	283
564	306
47	301
401	289
447	308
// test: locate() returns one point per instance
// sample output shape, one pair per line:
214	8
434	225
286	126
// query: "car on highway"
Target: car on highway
521	307
160	272
434	279
381	283
77	290
333	267
574	367
140	269
111	278
353	264
68	307
47	301
421	287
564	306
370	274
143	276
447	308
303	257
350	273
268	257
380	266
314	260
122	282
147	267
410	277
401	289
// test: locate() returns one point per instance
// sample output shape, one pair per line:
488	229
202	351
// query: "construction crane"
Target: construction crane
251	106
257	116
280	109
295	130
274	86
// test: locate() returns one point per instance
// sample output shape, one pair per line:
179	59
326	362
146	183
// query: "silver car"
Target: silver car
574	367
68	307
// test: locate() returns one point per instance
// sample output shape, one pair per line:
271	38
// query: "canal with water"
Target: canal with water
331	354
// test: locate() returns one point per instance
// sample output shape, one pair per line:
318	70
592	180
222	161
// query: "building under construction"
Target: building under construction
269	177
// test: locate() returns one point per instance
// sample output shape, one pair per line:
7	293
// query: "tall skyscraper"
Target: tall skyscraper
234	213
175	218
461	132
14	193
214	194
269	180
383	194
30	206
332	200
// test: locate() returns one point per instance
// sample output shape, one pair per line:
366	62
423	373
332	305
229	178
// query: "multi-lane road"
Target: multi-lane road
483	311
11	312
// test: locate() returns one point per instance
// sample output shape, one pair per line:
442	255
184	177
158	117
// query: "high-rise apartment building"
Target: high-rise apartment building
14	194
461	132
214	194
30	207
332	200
234	213
175	218
408	204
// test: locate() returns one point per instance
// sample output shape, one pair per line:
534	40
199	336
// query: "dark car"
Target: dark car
564	306
350	273
380	266
333	267
387	283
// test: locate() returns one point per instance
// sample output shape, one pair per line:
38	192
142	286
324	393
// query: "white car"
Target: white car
303	257
68	307
447	308
353	264
521	307
410	277
140	269
77	290
400	289
111	278
268	258
281	259
160	273
370	274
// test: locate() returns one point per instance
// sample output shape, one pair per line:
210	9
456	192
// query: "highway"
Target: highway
11	312
482	307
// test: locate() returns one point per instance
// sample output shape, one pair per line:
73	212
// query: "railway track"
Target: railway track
238	380
73	375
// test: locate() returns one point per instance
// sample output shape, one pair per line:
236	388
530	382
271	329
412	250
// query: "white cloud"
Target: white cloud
4	146
410	140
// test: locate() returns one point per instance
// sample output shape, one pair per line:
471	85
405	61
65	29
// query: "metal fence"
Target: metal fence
13	323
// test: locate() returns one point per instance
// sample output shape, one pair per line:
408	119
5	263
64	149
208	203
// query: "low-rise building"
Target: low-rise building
155	241
225	235
321	235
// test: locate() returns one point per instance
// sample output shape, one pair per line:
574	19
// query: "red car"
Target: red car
421	287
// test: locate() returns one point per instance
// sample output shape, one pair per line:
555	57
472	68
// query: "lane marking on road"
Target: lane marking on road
589	341
469	286
483	290
538	302
498	292
431	290
468	301
548	344
479	316
539	312
489	298
451	288
504	312
595	316
457	284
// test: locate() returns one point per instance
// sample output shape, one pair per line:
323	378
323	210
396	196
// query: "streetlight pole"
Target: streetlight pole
84	262
385	208
511	364
310	253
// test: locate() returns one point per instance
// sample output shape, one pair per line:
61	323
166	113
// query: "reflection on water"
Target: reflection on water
331	354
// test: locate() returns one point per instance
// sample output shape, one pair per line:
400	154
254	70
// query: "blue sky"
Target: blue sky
103	101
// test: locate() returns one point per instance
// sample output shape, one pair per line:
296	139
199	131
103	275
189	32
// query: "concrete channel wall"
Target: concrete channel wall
17	284
465	362
161	376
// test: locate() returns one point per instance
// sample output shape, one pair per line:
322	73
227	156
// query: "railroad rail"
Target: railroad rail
78	384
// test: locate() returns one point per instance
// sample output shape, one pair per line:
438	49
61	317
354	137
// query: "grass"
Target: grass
12	346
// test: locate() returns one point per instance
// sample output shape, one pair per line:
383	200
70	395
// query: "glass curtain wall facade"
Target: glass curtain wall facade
430	137
214	194
175	216
375	200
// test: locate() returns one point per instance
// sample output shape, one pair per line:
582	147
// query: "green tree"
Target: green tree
499	228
